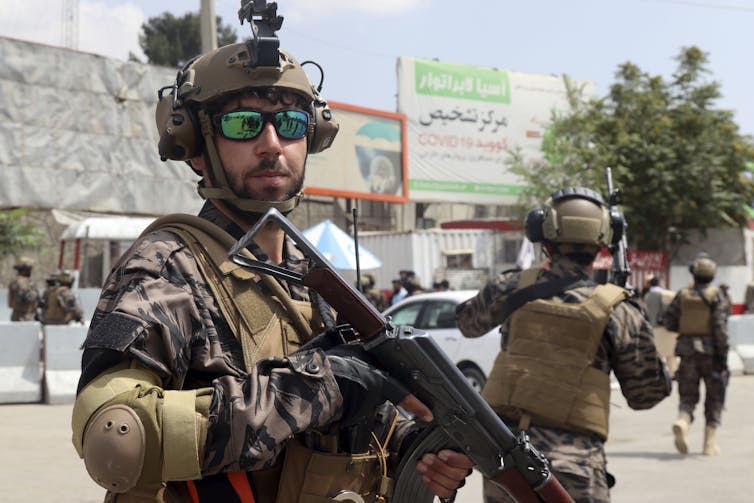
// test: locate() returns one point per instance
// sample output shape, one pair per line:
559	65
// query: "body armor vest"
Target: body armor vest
53	312
696	311
269	324
545	375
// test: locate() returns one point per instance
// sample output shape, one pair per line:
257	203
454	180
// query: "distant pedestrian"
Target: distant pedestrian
373	295
699	314
399	292
23	298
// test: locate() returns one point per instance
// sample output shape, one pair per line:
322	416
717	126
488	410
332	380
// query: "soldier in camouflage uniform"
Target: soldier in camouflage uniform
700	313
373	295
192	386
23	297
562	334
59	304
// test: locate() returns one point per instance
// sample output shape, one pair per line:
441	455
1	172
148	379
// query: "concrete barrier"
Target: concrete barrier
20	364
741	330
62	358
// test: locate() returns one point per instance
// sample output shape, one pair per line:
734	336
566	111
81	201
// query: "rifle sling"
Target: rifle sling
543	290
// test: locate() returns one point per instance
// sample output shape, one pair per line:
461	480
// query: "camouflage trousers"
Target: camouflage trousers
691	370
582	490
577	460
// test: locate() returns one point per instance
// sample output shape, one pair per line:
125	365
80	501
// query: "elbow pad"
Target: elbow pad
131	432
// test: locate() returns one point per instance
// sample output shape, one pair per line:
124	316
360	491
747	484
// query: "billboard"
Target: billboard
463	120
367	160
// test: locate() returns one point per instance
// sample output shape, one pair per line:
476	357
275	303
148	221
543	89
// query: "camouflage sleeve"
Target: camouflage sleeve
672	314
481	313
252	416
156	309
720	326
641	372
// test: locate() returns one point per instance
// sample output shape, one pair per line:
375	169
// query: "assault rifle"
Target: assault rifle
463	421
620	270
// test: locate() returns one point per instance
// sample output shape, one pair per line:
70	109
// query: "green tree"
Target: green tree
679	162
171	41
16	236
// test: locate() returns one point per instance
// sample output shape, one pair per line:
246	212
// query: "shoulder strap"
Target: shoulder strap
536	291
213	242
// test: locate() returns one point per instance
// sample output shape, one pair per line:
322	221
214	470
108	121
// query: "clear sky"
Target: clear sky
358	42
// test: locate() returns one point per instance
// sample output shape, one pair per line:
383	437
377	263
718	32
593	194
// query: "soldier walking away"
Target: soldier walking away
699	314
562	334
193	386
60	305
23	297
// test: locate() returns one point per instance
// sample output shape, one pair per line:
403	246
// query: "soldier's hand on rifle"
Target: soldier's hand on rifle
365	387
444	472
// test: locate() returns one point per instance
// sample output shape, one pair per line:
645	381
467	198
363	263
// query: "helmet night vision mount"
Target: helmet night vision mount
183	114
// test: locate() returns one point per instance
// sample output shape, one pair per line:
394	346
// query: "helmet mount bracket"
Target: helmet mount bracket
264	21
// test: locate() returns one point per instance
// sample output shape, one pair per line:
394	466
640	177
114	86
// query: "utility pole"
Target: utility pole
70	24
208	26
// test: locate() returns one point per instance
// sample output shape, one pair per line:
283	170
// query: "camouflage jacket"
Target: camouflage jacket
157	309
22	296
717	345
627	349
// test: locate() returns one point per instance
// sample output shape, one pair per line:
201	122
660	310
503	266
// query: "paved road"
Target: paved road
38	463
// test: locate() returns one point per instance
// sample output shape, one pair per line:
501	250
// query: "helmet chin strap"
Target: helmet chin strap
221	187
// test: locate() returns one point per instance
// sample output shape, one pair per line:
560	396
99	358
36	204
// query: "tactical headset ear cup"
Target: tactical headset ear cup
533	225
323	129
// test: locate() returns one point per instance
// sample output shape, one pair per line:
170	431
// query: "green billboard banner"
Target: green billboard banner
462	82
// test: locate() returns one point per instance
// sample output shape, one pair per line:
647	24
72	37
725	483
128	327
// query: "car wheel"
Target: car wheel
472	374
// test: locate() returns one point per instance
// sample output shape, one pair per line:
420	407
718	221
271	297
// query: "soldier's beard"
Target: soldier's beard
270	193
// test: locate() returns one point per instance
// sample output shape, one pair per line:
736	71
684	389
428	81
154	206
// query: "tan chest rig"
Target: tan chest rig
545	375
53	312
268	324
696	311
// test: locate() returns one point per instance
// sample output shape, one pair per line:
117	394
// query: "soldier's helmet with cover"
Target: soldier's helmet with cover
576	220
23	264
65	278
186	115
703	268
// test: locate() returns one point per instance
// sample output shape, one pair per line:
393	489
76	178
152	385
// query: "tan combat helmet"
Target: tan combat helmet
575	216
185	125
65	278
703	268
23	263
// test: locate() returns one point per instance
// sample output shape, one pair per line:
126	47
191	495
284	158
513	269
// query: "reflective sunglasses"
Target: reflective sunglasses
247	124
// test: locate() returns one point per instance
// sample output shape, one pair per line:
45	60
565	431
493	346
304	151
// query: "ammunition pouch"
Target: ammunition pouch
315	477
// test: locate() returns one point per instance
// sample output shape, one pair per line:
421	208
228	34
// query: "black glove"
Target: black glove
364	388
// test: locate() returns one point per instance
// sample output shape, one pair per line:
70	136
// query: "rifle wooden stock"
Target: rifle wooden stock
350	304
513	482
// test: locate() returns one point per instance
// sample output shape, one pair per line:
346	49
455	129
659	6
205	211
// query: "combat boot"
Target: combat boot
681	431
710	445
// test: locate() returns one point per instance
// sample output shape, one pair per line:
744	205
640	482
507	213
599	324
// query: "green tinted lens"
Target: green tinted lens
241	124
291	124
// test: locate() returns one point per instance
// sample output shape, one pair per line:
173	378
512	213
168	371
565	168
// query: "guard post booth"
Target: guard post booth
92	245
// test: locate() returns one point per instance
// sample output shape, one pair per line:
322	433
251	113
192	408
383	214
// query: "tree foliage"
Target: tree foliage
679	162
171	41
16	236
